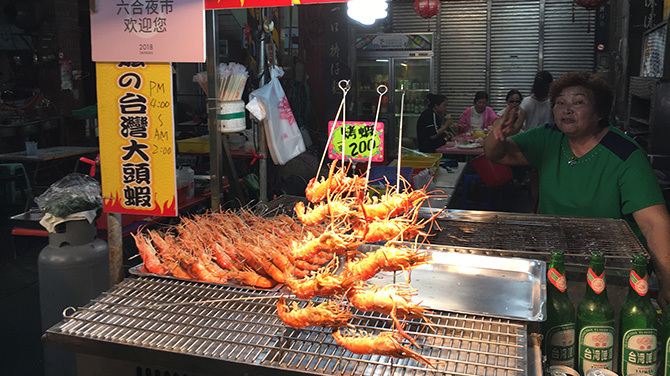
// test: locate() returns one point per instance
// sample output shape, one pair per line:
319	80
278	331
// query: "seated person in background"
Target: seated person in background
433	125
478	117
588	168
513	100
538	105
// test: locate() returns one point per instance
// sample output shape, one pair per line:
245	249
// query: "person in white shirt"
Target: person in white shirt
538	105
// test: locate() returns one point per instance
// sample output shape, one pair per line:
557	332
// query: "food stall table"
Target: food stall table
467	149
444	184
46	155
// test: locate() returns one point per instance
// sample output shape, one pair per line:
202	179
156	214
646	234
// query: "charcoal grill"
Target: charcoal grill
535	236
154	323
524	235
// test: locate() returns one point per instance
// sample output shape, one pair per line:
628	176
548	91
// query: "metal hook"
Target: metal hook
382	89
73	314
344	85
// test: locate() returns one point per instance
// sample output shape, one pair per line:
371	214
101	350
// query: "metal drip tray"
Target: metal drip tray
494	286
159	321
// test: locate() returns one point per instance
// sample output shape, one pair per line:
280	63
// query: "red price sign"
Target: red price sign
357	137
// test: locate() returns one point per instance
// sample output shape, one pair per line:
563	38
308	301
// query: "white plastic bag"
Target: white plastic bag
423	178
282	132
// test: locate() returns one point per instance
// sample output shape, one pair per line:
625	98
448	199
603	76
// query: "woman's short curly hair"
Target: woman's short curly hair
602	92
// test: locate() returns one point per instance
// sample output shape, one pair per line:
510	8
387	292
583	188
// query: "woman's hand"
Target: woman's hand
462	128
503	126
442	129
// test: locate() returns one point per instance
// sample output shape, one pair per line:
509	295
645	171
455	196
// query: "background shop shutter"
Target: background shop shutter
569	43
515	45
498	45
463	53
405	20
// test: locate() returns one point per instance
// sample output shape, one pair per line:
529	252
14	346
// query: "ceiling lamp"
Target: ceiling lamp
367	11
427	8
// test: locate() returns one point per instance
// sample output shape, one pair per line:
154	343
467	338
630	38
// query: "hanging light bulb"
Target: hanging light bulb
367	11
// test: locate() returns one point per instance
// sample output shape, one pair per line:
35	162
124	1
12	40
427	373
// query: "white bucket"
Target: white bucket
231	116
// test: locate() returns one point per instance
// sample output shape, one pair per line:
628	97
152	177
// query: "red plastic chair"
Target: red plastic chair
493	175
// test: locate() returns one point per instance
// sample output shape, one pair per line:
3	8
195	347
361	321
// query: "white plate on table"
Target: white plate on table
469	146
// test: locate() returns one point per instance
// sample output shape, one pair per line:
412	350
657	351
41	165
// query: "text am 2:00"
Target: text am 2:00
165	150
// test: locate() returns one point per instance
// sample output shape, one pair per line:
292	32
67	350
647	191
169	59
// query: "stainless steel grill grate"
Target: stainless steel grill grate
531	235
148	313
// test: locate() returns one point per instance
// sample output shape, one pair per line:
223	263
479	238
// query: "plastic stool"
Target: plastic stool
465	201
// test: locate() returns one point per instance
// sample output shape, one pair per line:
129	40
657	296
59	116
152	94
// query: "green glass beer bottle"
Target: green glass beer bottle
638	323
558	331
664	338
595	320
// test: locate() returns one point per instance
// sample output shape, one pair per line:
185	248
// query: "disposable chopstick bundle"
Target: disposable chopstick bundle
235	78
232	79
201	79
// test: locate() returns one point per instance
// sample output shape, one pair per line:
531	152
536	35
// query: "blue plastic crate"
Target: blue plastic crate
381	176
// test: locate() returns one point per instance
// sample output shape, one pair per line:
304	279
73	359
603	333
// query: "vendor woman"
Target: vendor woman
588	168
434	126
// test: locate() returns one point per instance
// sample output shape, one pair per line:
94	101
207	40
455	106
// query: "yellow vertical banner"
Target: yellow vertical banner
137	153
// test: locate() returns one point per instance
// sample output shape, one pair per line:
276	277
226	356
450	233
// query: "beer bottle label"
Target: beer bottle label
557	279
596	347
639	352
639	284
560	345
666	365
597	282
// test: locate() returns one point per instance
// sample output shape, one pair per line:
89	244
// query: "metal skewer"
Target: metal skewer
402	112
381	90
330	134
345	90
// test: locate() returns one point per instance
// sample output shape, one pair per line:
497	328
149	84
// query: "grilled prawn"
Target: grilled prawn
388	258
328	313
385	343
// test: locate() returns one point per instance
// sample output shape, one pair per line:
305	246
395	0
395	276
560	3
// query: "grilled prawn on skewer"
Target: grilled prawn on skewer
388	258
394	204
385	343
335	210
392	300
336	183
329	241
398	228
322	283
328	313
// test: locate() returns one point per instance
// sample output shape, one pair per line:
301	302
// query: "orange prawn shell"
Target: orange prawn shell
385	343
386	258
318	285
149	256
337	182
386	300
328	313
394	204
